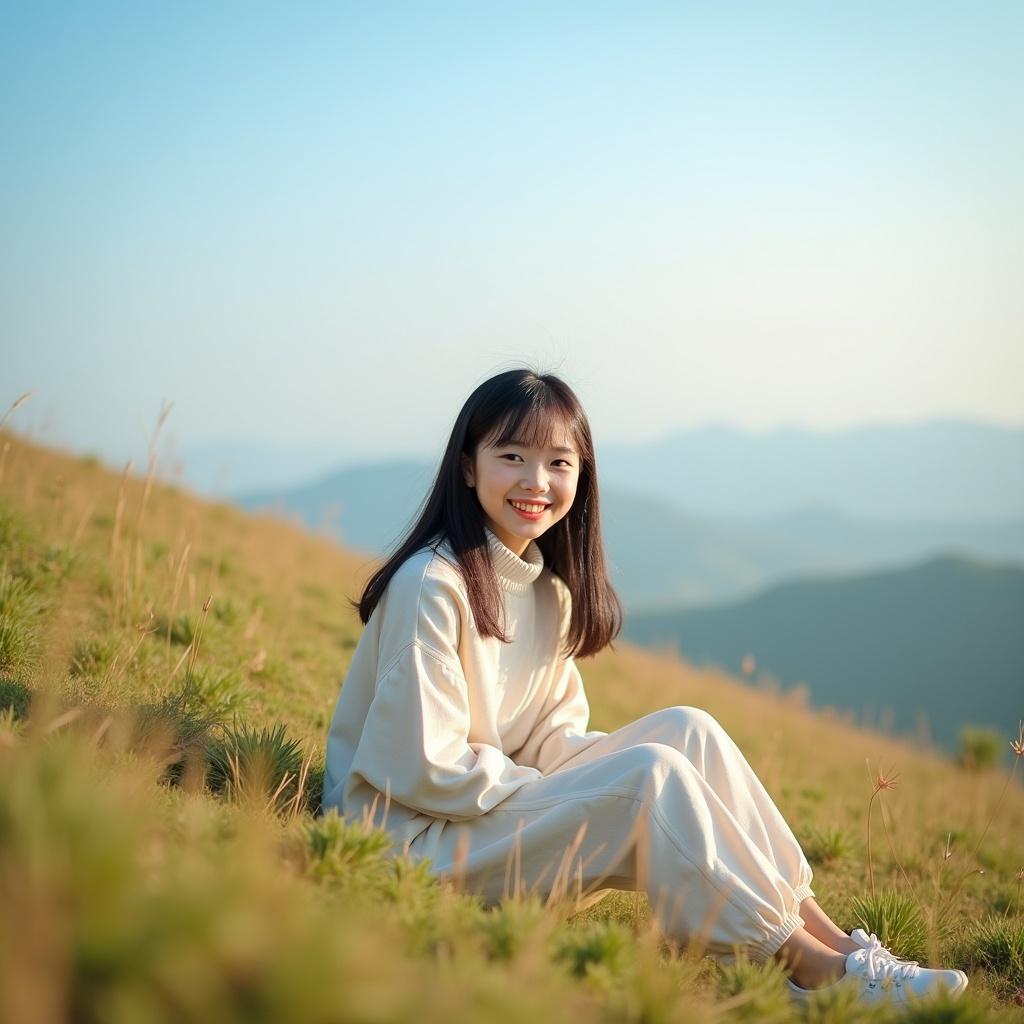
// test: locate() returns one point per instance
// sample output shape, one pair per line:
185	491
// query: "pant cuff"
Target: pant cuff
764	948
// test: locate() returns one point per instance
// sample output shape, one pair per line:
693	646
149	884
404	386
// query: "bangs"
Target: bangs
538	426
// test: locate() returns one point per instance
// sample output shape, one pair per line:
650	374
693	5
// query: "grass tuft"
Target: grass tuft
964	1009
15	697
342	851
14	531
996	944
181	629
93	657
604	945
220	691
895	918
841	1006
19	645
512	927
21	608
756	992
177	729
255	765
980	747
827	845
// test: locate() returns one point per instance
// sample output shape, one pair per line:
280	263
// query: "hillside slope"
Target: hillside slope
136	579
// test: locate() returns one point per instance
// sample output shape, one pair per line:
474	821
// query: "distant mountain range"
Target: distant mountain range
365	507
219	468
661	555
943	639
939	469
658	553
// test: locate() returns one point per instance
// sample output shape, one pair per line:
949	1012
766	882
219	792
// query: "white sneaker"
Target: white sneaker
879	977
872	941
866	941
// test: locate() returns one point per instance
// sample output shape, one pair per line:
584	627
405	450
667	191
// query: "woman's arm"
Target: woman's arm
415	737
561	730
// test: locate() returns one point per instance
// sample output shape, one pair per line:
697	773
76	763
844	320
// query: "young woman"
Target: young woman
461	726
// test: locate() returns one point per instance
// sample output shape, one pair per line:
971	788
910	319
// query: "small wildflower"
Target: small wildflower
1018	743
882	781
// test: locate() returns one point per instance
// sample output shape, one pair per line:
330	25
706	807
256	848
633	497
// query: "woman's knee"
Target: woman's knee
696	719
652	762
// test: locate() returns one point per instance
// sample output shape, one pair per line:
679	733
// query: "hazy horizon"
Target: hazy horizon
233	467
328	226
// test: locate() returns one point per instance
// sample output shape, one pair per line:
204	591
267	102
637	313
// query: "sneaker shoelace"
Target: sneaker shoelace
881	966
873	943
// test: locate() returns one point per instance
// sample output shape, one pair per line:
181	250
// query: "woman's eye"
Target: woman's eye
515	455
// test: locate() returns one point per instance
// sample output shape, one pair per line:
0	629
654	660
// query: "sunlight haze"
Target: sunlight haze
323	223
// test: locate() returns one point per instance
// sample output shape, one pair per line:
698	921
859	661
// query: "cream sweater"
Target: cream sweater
445	723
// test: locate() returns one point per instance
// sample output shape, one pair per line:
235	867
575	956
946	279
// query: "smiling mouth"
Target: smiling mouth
529	508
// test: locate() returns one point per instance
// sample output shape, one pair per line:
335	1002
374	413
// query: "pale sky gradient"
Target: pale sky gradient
319	222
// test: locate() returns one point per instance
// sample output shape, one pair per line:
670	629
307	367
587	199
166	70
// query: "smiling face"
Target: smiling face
511	475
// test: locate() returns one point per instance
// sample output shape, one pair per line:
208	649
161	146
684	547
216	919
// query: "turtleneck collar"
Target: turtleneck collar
515	574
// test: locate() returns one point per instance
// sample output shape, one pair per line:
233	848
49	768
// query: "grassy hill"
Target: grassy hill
167	672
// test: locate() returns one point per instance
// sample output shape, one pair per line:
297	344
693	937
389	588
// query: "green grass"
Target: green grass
15	698
980	747
996	945
895	917
262	765
755	992
827	845
21	608
161	764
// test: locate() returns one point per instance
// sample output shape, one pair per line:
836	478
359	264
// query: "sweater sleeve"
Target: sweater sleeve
415	740
561	730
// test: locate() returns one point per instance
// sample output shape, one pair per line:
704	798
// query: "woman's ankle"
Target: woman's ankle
819	972
845	945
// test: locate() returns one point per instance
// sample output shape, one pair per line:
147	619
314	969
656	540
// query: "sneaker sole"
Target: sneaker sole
801	996
954	992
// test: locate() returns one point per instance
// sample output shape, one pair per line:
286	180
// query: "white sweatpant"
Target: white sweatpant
667	805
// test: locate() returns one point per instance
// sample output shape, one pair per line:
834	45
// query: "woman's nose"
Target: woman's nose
535	478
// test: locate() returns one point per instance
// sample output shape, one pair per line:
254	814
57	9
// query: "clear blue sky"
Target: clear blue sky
312	222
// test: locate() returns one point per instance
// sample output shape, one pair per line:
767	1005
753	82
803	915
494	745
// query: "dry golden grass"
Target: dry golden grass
269	601
305	582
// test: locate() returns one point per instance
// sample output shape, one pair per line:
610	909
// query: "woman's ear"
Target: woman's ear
467	469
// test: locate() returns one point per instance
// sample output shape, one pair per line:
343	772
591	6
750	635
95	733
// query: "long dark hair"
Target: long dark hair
524	406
